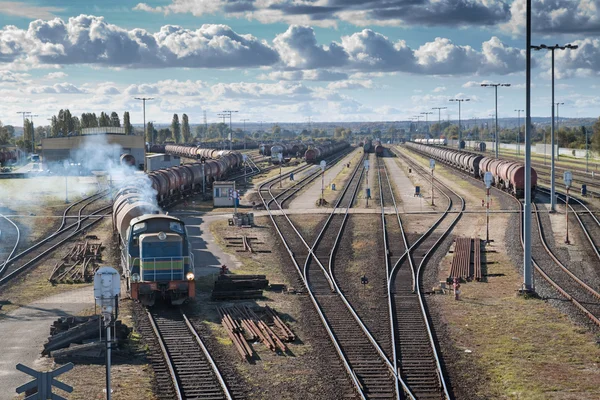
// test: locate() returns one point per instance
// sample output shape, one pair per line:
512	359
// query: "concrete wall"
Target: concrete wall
160	161
57	150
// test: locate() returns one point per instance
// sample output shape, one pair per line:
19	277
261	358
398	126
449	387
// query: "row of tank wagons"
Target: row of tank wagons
379	149
288	149
437	142
316	153
155	253
508	175
176	182
7	157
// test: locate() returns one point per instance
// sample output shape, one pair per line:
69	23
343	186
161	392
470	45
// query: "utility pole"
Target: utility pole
228	113
519	131
144	99
439	118
23	113
244	121
426	113
495	86
459	101
552	166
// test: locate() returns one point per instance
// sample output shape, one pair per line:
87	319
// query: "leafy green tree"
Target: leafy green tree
104	120
163	135
596	135
127	123
114	119
5	134
200	132
185	129
150	137
176	128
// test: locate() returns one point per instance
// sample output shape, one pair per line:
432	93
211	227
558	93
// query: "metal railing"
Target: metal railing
174	268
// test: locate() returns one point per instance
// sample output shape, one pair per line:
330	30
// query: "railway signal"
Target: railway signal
107	287
488	178
323	164
568	178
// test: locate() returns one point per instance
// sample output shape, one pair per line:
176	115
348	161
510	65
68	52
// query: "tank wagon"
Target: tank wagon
508	175
155	253
368	146
437	142
378	148
317	153
7	156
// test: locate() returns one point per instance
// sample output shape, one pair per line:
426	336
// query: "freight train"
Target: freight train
319	152
379	149
155	253
508	175
288	149
437	142
368	145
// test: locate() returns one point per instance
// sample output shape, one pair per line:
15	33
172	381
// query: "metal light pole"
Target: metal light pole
432	166
488	178
568	178
495	85
427	121
459	101
143	99
519	131
527	270
557	122
552	166
439	117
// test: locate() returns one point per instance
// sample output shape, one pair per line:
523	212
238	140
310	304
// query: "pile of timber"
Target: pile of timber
79	265
466	263
231	287
79	340
244	326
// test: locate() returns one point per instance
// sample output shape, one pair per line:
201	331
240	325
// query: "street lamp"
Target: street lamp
439	118
519	131
427	121
144	99
495	86
459	101
552	167
568	178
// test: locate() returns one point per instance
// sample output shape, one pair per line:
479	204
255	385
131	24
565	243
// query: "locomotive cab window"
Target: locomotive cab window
176	227
138	228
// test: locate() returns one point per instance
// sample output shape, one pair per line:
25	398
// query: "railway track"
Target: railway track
28	257
417	357
552	270
184	368
366	364
12	251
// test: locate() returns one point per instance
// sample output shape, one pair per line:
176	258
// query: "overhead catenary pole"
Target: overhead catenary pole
144	99
459	101
519	131
439	118
527	270
497	138
552	165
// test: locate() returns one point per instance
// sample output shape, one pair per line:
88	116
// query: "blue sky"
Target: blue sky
286	60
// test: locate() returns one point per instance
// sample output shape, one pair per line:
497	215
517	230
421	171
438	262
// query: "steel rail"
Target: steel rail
16	242
363	327
211	361
552	283
8	277
556	260
388	269
166	356
338	349
562	198
416	286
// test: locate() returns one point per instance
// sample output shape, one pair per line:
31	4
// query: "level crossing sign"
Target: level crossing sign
43	382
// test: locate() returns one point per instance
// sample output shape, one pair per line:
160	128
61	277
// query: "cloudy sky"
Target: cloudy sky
287	60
